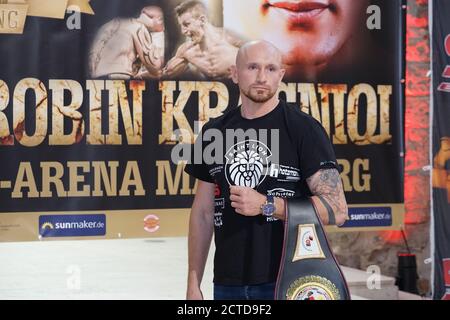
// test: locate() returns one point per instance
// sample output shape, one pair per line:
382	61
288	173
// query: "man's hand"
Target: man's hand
246	201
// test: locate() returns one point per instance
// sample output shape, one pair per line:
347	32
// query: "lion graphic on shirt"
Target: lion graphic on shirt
246	169
247	163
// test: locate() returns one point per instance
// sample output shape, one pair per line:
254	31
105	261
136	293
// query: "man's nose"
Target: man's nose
261	77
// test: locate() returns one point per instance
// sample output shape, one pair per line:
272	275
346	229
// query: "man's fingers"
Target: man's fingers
237	205
234	190
237	208
237	190
235	198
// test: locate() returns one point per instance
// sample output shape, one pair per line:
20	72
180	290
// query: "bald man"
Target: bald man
130	48
241	197
209	52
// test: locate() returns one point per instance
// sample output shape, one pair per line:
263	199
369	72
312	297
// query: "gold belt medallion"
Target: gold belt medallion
312	288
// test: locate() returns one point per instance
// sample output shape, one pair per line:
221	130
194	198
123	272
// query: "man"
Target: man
232	195
130	48
319	39
209	51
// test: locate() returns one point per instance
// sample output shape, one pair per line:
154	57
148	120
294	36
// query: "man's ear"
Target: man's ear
203	19
234	75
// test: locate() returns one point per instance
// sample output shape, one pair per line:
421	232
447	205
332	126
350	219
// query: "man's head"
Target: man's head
308	32
153	18
258	70
192	17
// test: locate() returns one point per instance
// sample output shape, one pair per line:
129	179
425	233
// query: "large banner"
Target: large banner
441	148
94	104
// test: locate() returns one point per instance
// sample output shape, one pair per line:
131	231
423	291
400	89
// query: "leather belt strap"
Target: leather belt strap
308	268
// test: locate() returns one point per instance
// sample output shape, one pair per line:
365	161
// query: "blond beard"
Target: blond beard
258	98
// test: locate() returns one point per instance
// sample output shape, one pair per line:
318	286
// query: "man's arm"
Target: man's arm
149	53
201	227
178	64
328	196
233	39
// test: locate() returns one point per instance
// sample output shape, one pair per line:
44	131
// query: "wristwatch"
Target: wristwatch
268	208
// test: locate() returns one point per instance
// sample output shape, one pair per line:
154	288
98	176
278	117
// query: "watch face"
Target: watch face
268	209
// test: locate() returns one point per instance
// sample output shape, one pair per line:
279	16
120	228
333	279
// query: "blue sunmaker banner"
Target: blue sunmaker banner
72	225
369	217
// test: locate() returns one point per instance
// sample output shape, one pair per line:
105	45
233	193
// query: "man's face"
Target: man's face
258	73
191	26
153	19
306	31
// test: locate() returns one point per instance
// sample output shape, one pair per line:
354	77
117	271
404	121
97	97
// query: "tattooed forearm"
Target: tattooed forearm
147	50
330	211
327	185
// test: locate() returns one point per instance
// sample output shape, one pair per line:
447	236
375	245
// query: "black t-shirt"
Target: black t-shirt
248	249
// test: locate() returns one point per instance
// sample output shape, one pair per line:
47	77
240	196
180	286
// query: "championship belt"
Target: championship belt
308	268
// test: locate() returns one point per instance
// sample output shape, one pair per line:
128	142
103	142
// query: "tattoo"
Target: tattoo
331	217
104	36
145	41
326	184
330	177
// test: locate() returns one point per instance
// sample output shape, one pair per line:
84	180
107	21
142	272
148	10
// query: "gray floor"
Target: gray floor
152	269
98	269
